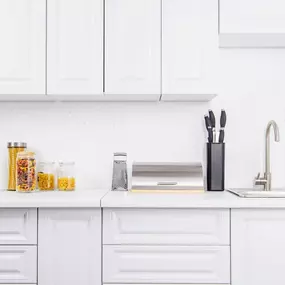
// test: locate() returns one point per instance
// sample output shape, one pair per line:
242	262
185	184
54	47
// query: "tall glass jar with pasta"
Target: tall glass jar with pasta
13	149
26	172
66	176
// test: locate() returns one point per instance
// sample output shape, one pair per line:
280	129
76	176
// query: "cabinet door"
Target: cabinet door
166	264
189	47
166	227
258	247
252	23
18	264
22	48
75	47
69	246
18	226
133	47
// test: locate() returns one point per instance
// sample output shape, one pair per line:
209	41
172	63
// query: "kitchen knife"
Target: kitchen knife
209	129
223	121
213	124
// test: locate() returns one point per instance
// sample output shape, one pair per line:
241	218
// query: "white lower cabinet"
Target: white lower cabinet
18	226
166	226
18	264
69	247
258	247
166	264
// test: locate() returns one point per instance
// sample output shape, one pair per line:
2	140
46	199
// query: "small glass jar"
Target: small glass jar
66	176
26	179
46	176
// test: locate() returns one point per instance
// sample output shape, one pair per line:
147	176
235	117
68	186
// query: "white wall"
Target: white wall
252	90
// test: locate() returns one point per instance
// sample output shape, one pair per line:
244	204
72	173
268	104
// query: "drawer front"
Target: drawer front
166	264
18	264
166	226
18	226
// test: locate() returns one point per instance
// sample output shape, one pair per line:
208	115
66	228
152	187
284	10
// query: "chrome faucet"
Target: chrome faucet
266	179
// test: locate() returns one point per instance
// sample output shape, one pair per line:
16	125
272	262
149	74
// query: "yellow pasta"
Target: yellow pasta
46	181
66	183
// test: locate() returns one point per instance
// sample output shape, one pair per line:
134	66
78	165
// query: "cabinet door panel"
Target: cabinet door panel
18	264
258	247
69	246
189	46
252	17
166	227
22	48
75	47
133	47
18	226
166	264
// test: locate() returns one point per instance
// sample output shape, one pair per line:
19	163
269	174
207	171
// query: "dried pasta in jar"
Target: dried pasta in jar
66	183
46	176
26	172
13	149
45	181
66	177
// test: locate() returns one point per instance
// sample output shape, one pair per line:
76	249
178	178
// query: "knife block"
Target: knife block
215	166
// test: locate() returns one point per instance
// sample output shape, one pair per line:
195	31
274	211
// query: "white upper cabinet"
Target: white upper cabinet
22	46
133	47
259	23
75	47
189	49
258	247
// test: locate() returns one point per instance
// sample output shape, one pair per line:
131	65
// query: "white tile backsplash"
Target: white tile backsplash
252	90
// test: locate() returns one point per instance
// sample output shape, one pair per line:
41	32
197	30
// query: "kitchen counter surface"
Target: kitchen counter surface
55	199
95	198
195	200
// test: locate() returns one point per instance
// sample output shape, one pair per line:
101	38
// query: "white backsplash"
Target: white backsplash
252	90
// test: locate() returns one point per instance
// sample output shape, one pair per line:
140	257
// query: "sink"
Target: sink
256	193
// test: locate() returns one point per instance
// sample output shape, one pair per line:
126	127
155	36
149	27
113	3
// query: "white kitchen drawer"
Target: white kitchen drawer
18	226
18	264
166	264
144	284
166	226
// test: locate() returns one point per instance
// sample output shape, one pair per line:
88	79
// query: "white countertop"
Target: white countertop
195	200
55	199
96	198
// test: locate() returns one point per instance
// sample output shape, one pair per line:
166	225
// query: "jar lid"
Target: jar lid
46	162
61	163
17	144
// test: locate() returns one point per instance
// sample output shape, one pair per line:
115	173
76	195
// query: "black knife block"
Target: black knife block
215	166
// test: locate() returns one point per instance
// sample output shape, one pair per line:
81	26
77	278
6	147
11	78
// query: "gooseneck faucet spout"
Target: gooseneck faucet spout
266	180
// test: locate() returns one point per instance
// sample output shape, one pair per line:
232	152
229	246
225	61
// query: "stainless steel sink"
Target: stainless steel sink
256	193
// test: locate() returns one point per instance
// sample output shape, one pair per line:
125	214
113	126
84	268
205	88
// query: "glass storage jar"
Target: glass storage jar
13	149
46	176
26	172
66	176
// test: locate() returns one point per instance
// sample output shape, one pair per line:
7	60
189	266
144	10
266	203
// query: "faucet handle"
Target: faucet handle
260	180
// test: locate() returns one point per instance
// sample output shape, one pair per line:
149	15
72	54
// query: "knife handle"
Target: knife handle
223	119
222	136
210	136
212	118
